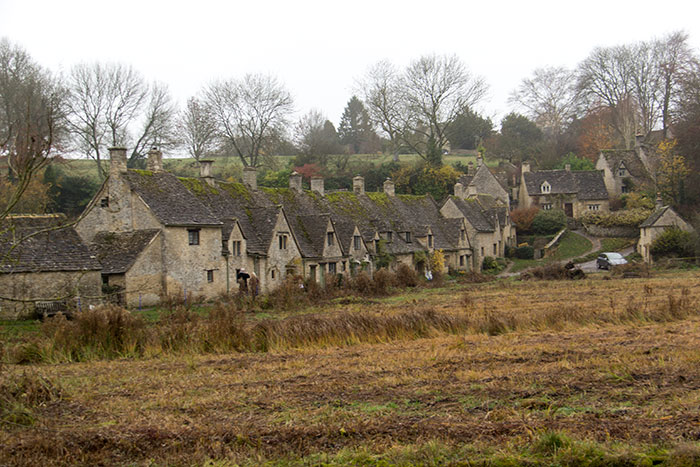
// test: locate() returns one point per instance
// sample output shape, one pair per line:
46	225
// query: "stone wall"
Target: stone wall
619	231
144	281
48	286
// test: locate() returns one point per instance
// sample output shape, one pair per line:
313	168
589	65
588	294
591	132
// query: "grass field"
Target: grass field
570	246
592	372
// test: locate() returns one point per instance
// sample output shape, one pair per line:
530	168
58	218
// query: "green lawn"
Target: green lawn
570	246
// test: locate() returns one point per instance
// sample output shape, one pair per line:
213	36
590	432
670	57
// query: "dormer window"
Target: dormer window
329	235
545	187
622	171
430	240
104	202
408	237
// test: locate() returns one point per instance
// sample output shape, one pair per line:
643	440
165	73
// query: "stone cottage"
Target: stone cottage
663	218
45	267
625	171
574	192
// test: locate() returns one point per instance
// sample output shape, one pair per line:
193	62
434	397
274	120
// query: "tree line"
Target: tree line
427	108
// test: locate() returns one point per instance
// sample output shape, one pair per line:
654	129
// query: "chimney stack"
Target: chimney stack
117	160
250	177
205	171
470	168
471	190
295	181
155	160
659	201
525	167
317	184
389	187
358	185
479	160
459	190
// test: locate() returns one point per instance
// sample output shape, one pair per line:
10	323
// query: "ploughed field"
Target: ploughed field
593	371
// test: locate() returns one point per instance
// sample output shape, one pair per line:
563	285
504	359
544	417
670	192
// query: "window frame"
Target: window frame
193	237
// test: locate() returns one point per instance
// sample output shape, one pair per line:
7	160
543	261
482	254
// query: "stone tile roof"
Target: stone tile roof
631	160
310	232
59	249
169	200
654	217
118	251
262	221
474	213
586	184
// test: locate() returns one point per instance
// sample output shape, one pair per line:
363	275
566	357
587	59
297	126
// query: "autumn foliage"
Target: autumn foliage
523	217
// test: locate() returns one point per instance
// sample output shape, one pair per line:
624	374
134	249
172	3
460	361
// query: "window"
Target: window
430	240
272	274
389	236
331	268
312	272
104	202
622	171
463	234
193	236
283	242
461	260
594	207
408	237
357	242
330	238
495	250
546	206
545	187
343	266
210	275
625	188
482	251
236	248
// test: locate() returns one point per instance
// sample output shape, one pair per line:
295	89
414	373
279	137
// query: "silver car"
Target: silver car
606	260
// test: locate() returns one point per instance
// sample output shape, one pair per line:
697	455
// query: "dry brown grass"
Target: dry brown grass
605	362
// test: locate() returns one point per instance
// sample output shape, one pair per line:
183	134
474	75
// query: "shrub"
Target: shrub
406	276
673	242
523	217
549	222
383	280
525	252
20	393
625	218
492	265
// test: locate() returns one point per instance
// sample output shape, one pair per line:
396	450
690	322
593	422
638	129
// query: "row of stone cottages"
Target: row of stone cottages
155	235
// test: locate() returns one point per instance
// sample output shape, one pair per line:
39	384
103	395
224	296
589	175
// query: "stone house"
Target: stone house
625	171
481	181
663	218
574	192
189	239
45	267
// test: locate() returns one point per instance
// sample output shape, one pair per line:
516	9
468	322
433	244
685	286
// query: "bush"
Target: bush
625	218
673	242
549	222
492	265
406	276
523	217
525	252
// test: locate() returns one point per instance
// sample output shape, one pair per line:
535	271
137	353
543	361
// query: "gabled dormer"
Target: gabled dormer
545	188
622	170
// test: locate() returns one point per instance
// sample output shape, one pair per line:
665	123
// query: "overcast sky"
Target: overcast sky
318	49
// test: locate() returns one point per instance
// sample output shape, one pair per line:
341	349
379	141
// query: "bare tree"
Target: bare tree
550	98
605	79
31	120
677	62
196	129
111	105
382	92
437	90
250	113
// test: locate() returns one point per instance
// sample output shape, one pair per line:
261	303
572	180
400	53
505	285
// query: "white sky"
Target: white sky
319	48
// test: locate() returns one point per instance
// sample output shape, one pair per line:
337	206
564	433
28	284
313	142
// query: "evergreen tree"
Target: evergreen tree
355	129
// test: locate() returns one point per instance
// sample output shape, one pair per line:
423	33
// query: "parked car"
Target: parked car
607	260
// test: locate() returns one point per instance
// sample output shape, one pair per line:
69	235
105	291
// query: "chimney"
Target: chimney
250	177
479	160
525	167
117	160
659	201
358	185
567	167
471	190
638	140
470	168
205	171
155	160
459	190
295	181
389	187
317	184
